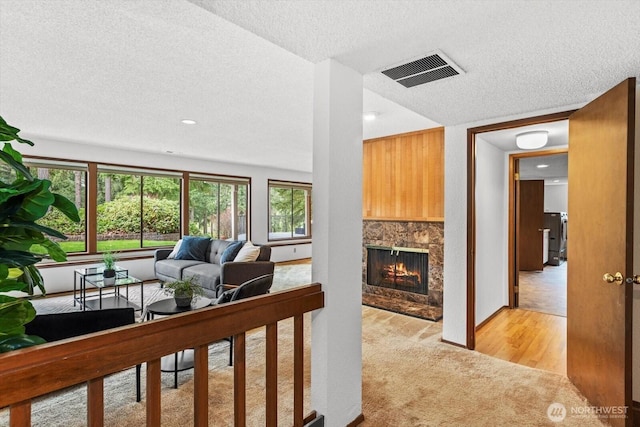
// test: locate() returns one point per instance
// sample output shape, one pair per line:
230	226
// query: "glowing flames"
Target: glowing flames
404	270
401	274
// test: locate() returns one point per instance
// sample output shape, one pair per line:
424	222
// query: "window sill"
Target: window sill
289	242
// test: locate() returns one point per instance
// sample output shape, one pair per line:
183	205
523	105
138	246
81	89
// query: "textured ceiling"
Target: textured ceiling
519	56
124	73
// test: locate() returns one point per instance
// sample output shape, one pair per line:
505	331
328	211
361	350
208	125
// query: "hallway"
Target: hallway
545	291
535	334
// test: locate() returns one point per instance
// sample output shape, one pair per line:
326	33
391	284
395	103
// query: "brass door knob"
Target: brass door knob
616	278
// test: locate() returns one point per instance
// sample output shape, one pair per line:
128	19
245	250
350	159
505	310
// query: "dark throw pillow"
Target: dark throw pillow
229	254
194	248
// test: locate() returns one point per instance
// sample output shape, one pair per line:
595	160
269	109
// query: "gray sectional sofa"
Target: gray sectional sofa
210	273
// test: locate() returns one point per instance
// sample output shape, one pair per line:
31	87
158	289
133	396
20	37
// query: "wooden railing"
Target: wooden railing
36	371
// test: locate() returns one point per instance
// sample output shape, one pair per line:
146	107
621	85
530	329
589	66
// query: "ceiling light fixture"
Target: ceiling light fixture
370	115
532	140
188	122
542	166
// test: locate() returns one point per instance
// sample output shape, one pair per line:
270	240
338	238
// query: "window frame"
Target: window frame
141	174
69	165
221	179
292	185
92	169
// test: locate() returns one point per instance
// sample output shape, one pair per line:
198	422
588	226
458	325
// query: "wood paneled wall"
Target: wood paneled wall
403	177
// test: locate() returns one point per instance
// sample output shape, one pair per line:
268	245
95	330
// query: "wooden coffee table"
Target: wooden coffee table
182	360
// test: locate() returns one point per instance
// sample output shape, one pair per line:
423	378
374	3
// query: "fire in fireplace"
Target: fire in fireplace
405	269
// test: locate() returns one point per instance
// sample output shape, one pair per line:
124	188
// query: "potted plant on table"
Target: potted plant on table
109	272
184	291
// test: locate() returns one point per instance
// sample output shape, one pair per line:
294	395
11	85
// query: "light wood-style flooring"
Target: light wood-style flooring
535	334
529	338
545	291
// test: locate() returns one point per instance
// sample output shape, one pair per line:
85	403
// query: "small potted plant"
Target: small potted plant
109	272
184	291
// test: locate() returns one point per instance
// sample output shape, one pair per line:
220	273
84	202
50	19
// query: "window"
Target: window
137	209
218	207
289	210
69	180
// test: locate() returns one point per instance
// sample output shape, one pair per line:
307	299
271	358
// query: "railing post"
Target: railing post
272	375
20	414
153	393
95	402
298	370
239	381
201	386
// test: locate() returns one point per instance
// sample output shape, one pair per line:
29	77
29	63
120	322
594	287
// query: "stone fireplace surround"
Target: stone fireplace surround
412	234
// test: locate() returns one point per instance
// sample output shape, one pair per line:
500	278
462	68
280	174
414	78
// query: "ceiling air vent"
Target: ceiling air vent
434	66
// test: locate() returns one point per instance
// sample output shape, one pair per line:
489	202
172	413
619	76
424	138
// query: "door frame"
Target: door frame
514	231
471	207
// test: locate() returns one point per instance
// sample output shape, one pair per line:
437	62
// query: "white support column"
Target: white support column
336	349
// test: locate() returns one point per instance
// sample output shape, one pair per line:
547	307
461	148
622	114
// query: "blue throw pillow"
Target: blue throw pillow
230	252
194	248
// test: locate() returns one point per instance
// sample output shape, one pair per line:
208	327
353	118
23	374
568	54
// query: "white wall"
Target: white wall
454	305
290	252
492	291
556	198
336	329
60	278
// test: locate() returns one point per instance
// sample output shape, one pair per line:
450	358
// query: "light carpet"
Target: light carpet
285	276
410	378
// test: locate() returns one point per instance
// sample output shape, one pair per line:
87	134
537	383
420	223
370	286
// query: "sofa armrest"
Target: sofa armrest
236	273
223	287
161	254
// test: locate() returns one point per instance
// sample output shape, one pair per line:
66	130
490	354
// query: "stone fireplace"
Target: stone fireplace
402	267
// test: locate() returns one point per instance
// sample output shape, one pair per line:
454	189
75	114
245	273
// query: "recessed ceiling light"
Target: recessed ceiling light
542	166
532	140
188	122
370	115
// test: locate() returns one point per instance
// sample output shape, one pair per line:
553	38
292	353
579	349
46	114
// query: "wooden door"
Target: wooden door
599	314
531	201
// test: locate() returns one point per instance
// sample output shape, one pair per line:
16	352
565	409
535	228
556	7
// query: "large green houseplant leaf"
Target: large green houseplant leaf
23	201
